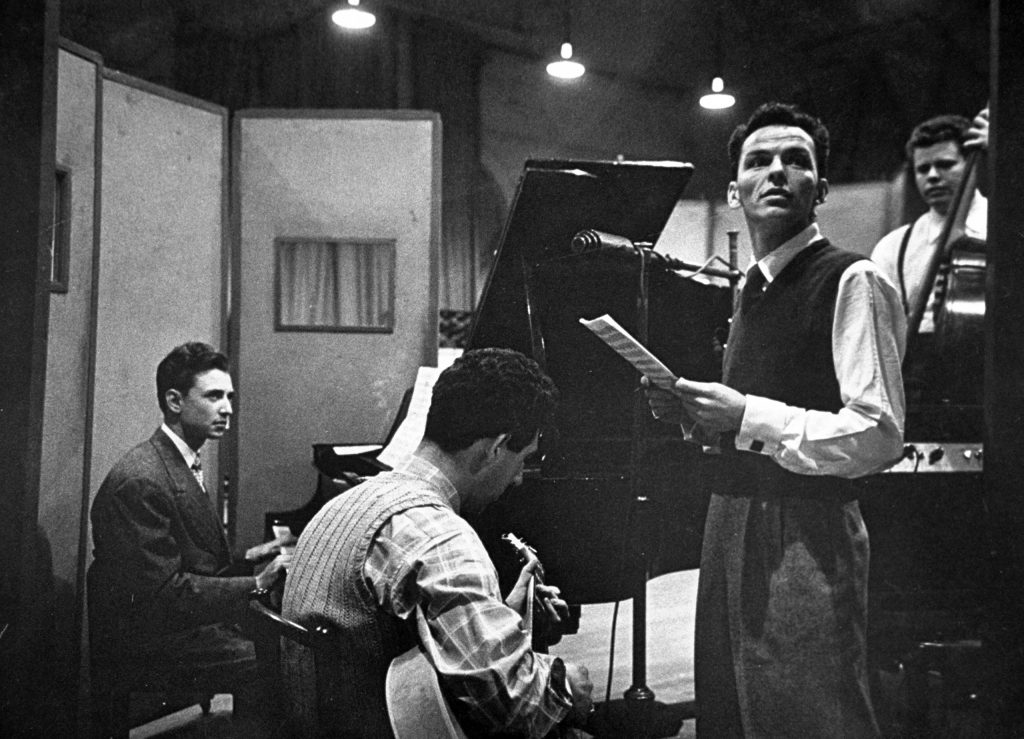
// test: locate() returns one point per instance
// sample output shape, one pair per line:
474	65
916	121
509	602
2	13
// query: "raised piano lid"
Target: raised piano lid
556	199
576	504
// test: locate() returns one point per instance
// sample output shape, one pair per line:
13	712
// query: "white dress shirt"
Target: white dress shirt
868	343
191	456
922	244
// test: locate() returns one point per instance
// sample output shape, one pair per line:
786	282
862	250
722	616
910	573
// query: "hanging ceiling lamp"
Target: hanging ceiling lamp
566	68
718	98
352	17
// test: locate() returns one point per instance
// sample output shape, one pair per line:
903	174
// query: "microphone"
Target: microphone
590	239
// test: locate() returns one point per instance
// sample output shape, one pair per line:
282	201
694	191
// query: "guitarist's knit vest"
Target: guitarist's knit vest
333	548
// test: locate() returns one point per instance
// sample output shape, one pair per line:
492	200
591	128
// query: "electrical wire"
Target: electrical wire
707	263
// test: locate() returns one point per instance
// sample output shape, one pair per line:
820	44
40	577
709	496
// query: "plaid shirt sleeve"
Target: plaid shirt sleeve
430	556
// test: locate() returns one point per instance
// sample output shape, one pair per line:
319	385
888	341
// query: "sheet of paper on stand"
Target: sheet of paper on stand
344	449
410	431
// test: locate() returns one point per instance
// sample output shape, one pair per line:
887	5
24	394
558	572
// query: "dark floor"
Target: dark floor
949	711
669	673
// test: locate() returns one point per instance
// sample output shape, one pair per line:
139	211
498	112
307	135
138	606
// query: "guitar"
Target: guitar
547	631
416	706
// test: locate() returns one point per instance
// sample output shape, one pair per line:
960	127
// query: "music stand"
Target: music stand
638	713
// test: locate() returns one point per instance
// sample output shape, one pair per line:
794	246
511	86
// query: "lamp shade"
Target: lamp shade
352	17
565	68
718	98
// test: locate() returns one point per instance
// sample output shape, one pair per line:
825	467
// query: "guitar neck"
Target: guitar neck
527	555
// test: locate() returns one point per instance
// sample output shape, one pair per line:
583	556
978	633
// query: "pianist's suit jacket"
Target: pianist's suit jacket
160	551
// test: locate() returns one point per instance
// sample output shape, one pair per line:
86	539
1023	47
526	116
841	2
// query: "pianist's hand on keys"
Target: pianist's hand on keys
271	548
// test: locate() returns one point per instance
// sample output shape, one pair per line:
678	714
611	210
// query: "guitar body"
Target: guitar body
416	706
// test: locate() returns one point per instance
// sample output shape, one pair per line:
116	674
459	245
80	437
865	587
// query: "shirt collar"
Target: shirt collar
424	470
776	261
187	452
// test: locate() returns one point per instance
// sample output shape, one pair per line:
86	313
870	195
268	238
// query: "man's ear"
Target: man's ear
732	195
499	443
822	191
485	452
173	398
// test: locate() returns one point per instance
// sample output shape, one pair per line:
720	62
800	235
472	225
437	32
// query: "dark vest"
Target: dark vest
781	348
329	586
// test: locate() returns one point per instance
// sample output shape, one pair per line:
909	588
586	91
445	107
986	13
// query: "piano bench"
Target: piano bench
269	627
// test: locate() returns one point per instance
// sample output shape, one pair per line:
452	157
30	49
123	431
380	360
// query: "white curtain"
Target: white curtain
336	284
309	283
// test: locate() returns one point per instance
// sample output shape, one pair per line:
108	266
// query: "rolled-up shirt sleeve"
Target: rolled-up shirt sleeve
430	558
866	434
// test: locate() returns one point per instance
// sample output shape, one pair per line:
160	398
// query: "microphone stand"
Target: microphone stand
639	714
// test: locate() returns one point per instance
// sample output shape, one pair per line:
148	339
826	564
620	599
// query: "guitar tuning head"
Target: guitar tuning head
516	542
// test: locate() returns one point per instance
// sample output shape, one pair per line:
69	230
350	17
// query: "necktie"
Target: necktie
197	470
753	288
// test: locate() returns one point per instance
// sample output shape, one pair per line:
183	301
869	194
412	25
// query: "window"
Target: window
60	231
335	285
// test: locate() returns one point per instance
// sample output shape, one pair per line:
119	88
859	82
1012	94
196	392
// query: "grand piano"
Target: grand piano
608	483
608	480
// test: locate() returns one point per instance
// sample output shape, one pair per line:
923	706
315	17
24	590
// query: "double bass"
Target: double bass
959	260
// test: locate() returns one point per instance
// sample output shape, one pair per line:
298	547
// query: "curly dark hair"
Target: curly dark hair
936	130
488	392
179	368
781	114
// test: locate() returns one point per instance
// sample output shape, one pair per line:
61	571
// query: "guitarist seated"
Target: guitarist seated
393	557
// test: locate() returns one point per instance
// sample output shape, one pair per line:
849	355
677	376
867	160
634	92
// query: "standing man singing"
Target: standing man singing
811	397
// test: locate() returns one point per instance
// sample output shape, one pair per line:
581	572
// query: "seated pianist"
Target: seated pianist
394	557
165	596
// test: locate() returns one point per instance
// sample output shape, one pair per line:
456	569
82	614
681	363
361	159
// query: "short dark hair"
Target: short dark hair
936	130
781	114
488	392
179	368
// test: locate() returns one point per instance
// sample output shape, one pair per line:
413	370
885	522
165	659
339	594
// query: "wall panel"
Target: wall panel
327	175
65	409
160	277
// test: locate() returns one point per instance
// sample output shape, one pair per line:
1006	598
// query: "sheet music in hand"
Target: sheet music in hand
610	332
627	347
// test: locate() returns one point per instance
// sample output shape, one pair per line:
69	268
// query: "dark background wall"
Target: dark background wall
870	68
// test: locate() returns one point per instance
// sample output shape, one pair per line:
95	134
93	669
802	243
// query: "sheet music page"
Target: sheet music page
611	333
627	347
347	449
410	431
